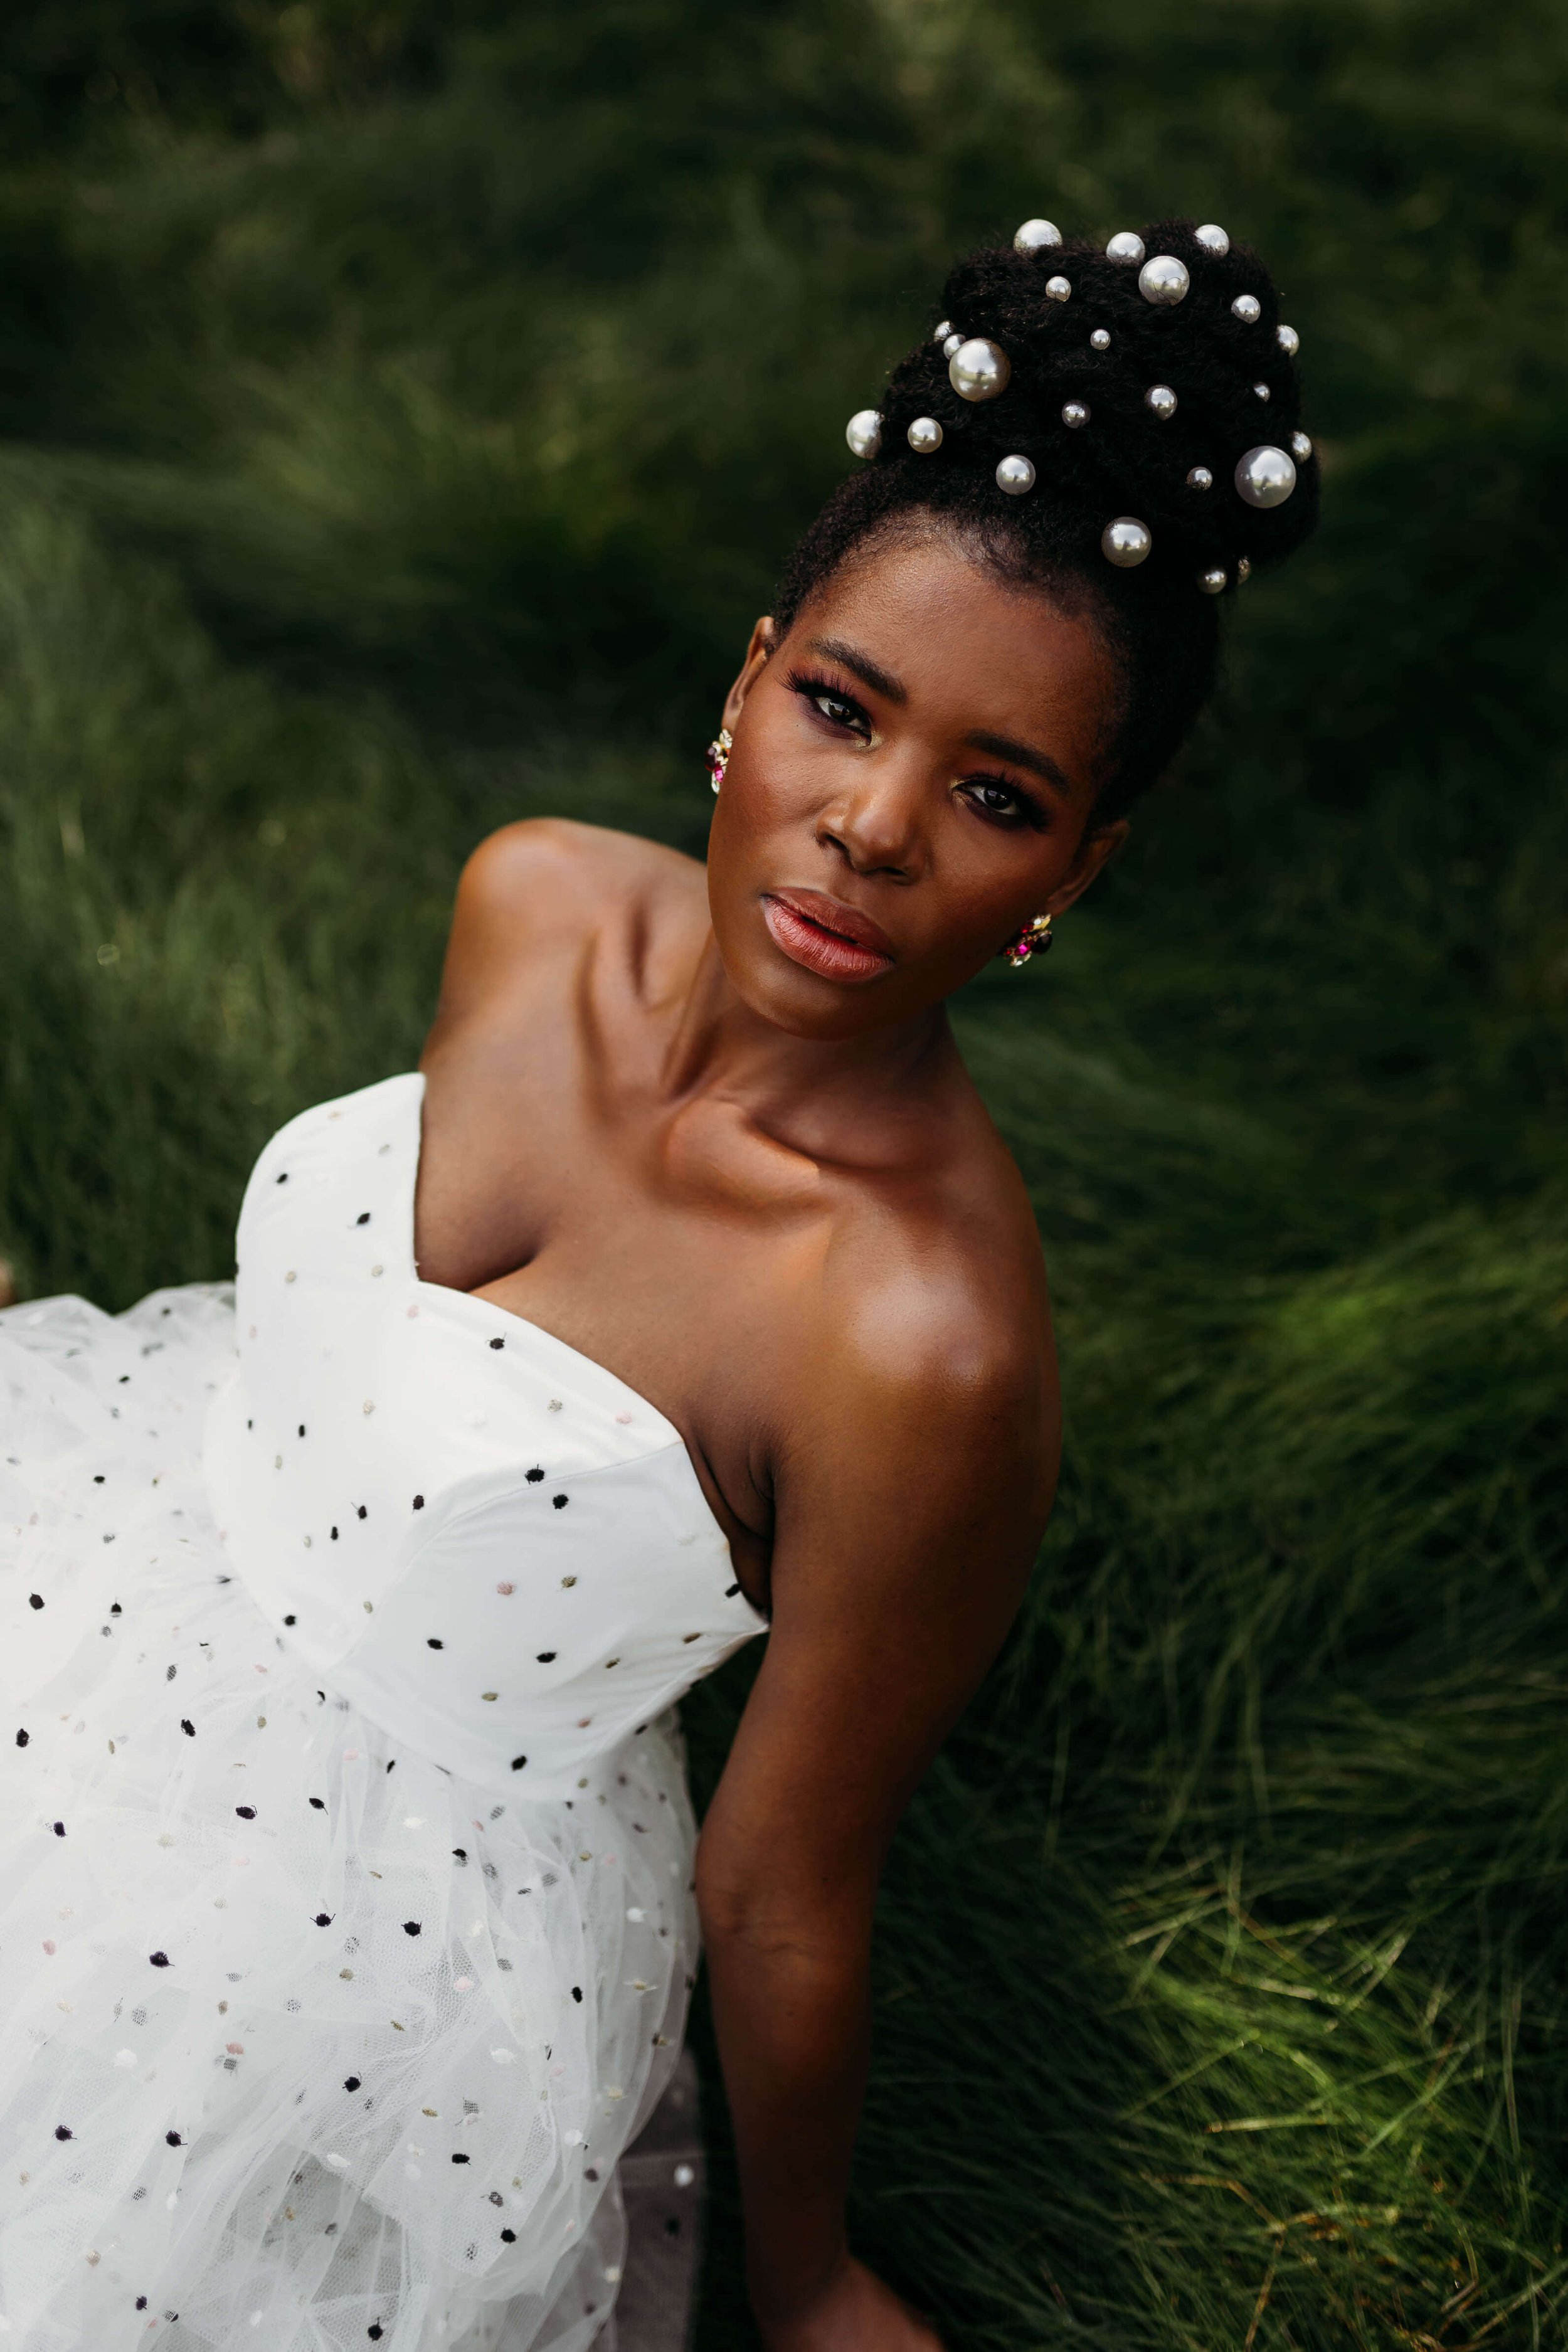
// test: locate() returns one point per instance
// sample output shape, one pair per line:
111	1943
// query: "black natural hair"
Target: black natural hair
1236	387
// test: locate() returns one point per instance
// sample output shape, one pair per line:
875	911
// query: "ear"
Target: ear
1095	851
759	653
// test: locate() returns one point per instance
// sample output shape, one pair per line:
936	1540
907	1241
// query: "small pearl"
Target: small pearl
1301	447
924	435
1247	309
1125	245
1265	477
1211	582
1015	475
1213	240
1260	390
979	369
1200	479
1288	341
1163	280
864	432
1126	541
943	331
1159	400
1243	568
1074	413
1035	236
1100	338
1058	289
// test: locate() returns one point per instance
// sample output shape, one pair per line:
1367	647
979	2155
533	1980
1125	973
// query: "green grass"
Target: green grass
404	411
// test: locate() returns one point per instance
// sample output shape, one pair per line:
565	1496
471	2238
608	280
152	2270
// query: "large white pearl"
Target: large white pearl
1164	279
979	370
1200	479
1074	413
1213	240
1211	582
1161	400
1247	309
864	433
1058	289
1015	475
1288	341
1100	338
1035	234
953	344
1125	245
943	331
1265	477
924	435
1301	447
1126	541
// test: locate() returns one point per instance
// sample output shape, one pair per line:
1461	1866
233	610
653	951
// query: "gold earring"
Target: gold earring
1032	941
718	752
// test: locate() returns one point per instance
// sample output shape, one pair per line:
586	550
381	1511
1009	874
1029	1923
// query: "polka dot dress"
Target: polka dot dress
346	1928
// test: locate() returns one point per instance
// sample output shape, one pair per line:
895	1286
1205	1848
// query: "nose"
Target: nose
875	823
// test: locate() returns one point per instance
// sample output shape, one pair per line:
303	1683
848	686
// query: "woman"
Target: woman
685	1291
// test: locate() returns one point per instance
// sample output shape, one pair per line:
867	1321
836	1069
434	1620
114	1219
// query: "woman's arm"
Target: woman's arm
910	1497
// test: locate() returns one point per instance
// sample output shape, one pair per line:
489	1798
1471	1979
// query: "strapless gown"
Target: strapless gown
346	1919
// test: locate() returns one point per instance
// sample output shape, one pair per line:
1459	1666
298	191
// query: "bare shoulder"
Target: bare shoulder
554	870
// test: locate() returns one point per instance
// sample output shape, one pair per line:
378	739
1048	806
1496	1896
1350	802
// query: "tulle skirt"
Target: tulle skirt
304	2043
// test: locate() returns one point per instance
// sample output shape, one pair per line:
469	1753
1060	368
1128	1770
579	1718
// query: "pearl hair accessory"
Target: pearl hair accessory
864	432
1100	338
1163	280
943	331
924	435
1126	541
1058	289
1247	309
1212	582
1262	392
1125	246
1243	568
1159	400
954	343
1265	477
1074	413
1301	447
1035	235
1015	475
1213	240
1288	341
1200	479
979	369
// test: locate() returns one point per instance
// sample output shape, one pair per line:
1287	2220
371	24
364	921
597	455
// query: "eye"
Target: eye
1000	801
831	705
842	713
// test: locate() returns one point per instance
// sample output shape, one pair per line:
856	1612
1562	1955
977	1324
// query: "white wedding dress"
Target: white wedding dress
346	1923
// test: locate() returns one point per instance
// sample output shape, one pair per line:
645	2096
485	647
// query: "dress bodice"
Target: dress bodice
480	1537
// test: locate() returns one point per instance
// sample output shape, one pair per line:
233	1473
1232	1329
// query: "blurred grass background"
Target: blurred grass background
405	409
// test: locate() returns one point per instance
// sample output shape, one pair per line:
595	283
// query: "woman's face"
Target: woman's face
912	779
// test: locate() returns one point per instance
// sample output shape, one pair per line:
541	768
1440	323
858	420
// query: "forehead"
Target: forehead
972	651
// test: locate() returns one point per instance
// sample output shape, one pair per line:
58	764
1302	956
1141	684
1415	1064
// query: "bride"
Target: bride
350	1894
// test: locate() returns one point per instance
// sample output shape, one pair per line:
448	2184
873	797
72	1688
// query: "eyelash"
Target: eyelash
816	689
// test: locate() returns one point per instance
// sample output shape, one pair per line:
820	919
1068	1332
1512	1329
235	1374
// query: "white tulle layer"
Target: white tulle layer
220	2121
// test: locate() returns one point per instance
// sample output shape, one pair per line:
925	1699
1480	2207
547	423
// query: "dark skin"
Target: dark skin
769	1198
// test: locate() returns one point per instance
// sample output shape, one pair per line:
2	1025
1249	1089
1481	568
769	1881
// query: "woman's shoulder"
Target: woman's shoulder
555	869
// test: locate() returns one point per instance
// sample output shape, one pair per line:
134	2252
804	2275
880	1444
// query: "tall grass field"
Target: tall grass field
404	410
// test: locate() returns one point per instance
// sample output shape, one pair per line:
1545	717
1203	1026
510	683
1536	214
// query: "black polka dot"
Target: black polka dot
362	1218
547	1657
246	1813
142	2300
60	1828
173	2139
731	1590
159	1959
509	2237
434	1642
35	1599
114	1609
320	1803
419	1502
323	1918
363	1513
64	2131
282	1180
534	1477
576	1993
98	1477
518	1762
334	1535
350	2081
559	1501
301	1429
373	2331
498	1343
460	1852
411	1926
22	1738
187	1726
460	2155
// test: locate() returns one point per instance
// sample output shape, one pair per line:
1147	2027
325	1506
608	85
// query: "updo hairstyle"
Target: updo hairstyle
1235	378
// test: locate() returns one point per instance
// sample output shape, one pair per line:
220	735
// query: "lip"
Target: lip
826	936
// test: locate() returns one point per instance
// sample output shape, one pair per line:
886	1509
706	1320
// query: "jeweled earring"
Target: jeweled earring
1032	941
718	752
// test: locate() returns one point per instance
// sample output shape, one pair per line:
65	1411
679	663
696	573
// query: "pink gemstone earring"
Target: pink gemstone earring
1032	941
718	752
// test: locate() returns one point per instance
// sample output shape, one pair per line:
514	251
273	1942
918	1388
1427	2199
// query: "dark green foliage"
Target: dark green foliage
406	411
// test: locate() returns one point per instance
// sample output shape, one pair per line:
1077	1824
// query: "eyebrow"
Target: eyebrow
1023	755
868	672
